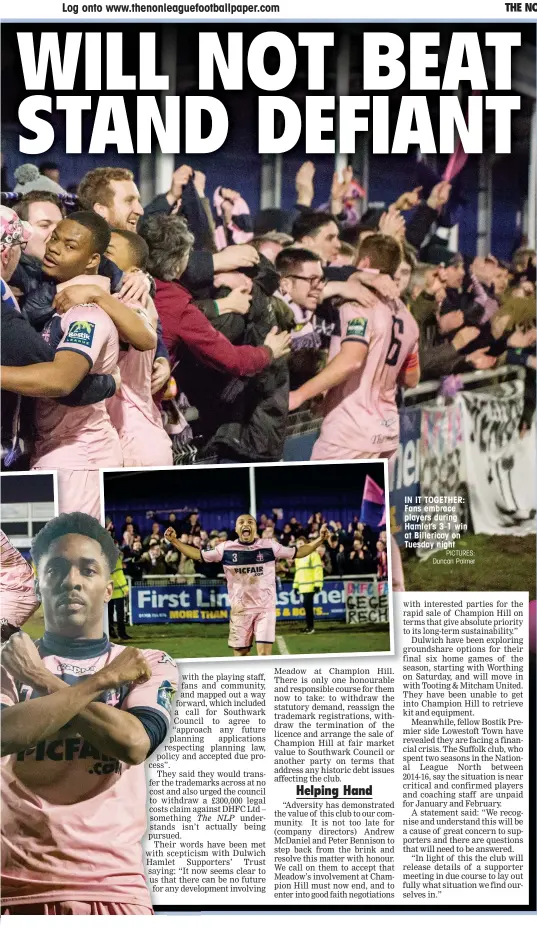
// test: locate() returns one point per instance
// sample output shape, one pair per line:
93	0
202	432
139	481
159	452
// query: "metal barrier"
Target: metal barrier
304	423
470	379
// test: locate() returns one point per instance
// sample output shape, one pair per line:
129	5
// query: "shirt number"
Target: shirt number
394	349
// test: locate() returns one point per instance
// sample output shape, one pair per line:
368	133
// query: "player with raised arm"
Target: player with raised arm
250	569
79	718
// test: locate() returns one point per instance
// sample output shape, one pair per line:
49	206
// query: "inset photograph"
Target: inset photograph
242	560
28	502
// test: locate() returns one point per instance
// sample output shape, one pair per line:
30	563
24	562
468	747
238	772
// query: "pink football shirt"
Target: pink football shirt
81	438
133	412
361	413
250	571
72	817
17	592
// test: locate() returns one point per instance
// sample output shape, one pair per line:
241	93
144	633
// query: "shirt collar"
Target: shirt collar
65	647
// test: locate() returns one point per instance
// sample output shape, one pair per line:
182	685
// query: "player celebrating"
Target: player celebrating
78	441
250	570
17	589
375	352
80	716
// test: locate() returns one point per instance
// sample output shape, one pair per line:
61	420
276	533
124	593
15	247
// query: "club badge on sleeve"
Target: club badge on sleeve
357	328
165	696
80	332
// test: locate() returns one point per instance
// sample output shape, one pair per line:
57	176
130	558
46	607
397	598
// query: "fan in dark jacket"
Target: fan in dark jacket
244	419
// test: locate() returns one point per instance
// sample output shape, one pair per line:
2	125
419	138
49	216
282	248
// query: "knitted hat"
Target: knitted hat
29	178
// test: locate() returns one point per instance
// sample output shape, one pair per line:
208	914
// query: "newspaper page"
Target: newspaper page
268	509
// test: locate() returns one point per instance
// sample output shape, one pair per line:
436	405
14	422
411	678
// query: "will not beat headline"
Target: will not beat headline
382	68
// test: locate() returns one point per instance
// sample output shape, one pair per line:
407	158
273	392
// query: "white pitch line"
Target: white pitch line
280	642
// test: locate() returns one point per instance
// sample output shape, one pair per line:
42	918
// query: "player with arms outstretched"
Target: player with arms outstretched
250	569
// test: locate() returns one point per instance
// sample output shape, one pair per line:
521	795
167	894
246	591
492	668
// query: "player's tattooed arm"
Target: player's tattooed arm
311	546
189	550
113	731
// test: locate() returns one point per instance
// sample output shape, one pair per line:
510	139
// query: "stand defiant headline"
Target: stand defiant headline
327	127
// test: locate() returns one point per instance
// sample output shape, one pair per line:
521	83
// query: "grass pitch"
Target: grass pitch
194	640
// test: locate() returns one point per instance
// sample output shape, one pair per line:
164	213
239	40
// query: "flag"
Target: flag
373	511
459	157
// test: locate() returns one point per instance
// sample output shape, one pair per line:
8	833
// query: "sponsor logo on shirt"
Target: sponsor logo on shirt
72	749
80	333
165	695
357	328
253	570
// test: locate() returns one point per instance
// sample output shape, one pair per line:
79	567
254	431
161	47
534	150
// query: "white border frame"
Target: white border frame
36	471
277	464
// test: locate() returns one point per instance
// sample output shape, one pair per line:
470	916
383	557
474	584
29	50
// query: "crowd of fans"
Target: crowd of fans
189	328
355	549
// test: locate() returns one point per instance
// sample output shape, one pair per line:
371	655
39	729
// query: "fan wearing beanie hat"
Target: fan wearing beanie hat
29	178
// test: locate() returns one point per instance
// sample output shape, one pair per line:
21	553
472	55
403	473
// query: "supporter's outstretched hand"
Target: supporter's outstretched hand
229	194
304	183
354	290
135	287
481	360
295	400
520	339
278	342
233	279
235	256
238	301
435	281
160	374
180	177
170	535
452	320
439	195
339	189
383	284
199	182
392	223
408	199
464	336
